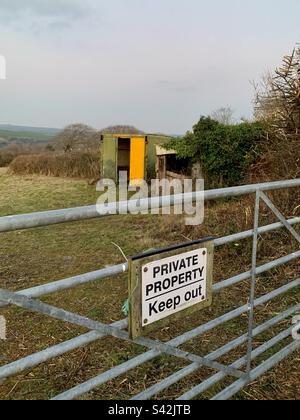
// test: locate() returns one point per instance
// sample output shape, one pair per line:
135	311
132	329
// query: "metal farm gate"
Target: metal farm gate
241	371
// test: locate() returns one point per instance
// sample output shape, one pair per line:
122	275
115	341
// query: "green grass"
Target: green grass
29	258
28	194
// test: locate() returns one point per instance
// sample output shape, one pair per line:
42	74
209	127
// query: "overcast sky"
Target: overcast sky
156	64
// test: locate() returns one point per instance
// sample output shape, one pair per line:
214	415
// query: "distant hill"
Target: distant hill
28	129
3	142
13	134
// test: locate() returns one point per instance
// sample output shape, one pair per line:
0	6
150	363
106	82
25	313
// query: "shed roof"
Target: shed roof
128	135
161	151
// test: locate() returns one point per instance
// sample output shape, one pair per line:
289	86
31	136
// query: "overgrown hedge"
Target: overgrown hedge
225	151
74	165
6	157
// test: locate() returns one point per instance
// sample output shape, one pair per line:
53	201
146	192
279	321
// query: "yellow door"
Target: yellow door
137	160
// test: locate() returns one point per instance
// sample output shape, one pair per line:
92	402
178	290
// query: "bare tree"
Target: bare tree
121	129
278	99
81	137
223	115
77	137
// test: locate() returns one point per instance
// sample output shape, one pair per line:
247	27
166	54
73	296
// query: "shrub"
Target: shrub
225	151
17	148
74	165
9	153
6	157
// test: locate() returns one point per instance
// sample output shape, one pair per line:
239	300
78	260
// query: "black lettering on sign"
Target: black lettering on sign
193	294
175	282
149	289
172	267
156	308
156	270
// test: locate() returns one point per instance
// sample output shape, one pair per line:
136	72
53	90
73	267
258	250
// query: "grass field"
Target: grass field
28	258
34	136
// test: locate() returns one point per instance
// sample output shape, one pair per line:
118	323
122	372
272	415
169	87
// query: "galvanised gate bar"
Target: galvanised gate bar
241	371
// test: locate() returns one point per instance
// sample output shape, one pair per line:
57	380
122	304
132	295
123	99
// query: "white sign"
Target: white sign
173	284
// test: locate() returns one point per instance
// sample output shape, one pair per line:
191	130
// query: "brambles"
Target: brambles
225	152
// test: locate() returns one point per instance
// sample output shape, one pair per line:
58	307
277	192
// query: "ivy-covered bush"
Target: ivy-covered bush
224	151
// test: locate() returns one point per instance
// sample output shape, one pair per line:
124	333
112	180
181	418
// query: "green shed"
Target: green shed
135	154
